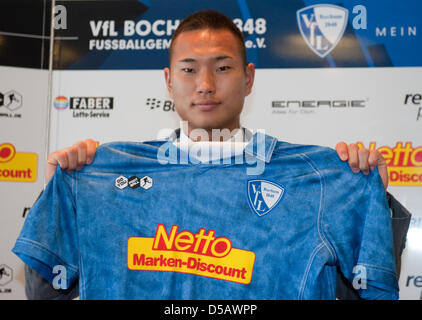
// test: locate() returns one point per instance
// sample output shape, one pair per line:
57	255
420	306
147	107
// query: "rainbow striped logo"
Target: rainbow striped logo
61	103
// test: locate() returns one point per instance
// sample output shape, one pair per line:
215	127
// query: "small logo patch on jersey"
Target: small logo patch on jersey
146	182
263	195
134	182
121	182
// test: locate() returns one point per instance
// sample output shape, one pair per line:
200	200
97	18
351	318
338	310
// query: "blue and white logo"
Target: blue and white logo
263	195
322	26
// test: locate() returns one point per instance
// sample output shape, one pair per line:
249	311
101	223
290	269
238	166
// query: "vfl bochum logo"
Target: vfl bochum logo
263	195
322	26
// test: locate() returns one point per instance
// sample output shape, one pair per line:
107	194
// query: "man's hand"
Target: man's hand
363	160
74	157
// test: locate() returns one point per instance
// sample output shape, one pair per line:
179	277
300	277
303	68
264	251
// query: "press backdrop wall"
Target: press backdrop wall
350	72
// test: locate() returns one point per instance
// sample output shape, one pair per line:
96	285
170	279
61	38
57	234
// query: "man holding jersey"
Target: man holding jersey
208	79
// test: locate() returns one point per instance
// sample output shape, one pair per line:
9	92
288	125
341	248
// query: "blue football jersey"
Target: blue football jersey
274	223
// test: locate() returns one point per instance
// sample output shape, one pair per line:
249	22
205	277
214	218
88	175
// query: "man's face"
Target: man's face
207	79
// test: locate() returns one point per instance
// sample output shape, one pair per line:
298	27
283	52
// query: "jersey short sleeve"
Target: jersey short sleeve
48	242
356	221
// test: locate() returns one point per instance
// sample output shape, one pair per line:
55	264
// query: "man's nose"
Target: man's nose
206	83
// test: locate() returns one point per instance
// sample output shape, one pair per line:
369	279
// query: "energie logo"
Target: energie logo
404	163
201	254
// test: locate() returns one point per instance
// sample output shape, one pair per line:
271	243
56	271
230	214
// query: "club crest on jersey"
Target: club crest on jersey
322	26
263	195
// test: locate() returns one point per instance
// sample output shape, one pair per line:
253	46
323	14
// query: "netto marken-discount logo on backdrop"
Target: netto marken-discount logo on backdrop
17	166
404	163
201	254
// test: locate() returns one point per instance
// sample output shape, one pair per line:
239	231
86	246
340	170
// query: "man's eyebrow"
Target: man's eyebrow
217	58
187	60
223	57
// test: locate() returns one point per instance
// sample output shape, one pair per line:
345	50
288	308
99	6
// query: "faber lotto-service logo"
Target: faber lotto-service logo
86	107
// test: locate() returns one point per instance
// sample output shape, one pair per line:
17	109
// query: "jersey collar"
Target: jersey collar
261	146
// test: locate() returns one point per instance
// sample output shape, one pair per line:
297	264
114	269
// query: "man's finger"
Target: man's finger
353	157
363	155
81	147
373	159
72	156
58	158
54	159
342	151
91	149
382	168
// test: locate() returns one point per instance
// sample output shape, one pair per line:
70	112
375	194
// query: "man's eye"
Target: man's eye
188	70
223	68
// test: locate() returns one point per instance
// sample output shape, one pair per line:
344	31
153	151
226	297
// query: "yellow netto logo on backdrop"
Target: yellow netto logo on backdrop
201	254
17	166
404	163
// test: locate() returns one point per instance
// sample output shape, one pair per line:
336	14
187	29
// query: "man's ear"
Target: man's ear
250	77
168	81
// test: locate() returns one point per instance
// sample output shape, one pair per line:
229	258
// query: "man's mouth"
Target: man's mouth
206	105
